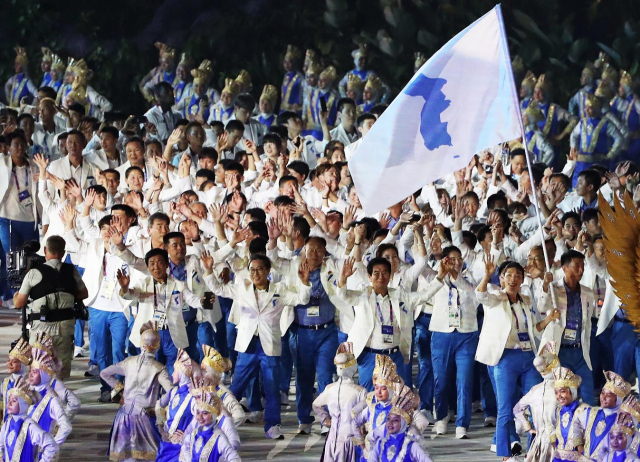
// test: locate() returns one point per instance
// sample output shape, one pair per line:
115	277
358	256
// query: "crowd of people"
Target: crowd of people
220	248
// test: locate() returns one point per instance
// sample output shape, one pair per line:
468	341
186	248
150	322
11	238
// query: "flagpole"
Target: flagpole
516	103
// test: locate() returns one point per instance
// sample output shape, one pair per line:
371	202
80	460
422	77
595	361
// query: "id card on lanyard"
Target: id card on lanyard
160	306
386	329
599	299
23	196
454	312
524	341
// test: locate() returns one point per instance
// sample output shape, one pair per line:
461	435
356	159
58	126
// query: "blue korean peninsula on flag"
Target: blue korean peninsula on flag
461	101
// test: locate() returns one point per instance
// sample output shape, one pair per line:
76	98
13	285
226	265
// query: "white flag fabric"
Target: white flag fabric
461	101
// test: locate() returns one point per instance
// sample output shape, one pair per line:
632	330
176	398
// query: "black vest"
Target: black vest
54	281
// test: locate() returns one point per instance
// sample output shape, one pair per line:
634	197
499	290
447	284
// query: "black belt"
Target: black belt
387	351
593	318
426	315
572	345
624	320
316	326
54	315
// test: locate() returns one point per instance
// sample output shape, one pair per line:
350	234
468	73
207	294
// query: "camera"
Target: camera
20	261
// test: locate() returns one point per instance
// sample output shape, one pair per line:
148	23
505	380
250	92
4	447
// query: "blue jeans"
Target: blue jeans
286	363
313	352
205	337
451	351
624	341
248	365
21	232
168	352
572	358
513	366
366	364
601	354
425	371
108	333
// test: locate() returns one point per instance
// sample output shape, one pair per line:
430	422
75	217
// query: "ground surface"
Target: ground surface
90	436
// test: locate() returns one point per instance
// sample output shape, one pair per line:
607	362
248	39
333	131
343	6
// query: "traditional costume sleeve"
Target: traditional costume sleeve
49	449
418	454
227	452
229	429
97	99
185	451
109	374
519	409
319	406
574	140
546	150
234	408
68	397
63	422
615	135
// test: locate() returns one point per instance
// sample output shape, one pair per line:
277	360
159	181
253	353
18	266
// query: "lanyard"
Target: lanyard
26	178
597	287
452	286
390	313
515	316
155	295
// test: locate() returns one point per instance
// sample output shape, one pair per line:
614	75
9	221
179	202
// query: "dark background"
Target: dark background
116	37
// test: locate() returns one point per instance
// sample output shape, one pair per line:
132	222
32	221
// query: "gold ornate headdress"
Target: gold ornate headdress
232	87
314	68
374	83
544	83
625	79
346	349
22	391
621	230
310	57
354	83
419	59
203	73
149	336
43	361
44	342
22	352
21	56
244	78
165	51
270	93
210	402
57	63
604	91
185	60
200	384
602	60
616	384
47	55
624	424
529	80
590	69
214	360
517	65
565	378
404	402
362	51
631	405
548	351
183	363
610	74
329	74
384	372
293	53
593	101
534	113
78	92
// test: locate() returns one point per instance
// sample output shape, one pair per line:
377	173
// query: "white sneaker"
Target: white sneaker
440	427
304	429
493	448
324	430
274	433
255	417
428	415
284	398
490	422
77	352
461	433
476	406
512	459
92	371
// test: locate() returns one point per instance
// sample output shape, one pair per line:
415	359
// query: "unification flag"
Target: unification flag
461	101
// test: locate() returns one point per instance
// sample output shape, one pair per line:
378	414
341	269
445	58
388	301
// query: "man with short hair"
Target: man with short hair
346	131
363	124
162	115
54	287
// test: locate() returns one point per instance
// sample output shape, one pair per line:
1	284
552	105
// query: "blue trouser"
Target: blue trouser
168	352
192	337
624	341
517	393
425	371
108	331
482	384
206	336
225	337
313	352
248	365
342	337
449	351
21	232
286	362
367	362
600	353
513	366
78	333
572	358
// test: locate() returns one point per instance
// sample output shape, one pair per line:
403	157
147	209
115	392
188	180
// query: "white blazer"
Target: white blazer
6	178
555	330
403	304
62	169
497	325
180	297
262	318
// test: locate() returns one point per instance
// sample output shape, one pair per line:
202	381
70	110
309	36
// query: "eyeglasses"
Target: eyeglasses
257	270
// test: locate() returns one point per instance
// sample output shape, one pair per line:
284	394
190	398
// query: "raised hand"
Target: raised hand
489	265
123	279
384	220
175	136
348	268
303	271
223	142
274	230
73	188
42	162
461	209
116	237
207	260
349	216
250	146
91	198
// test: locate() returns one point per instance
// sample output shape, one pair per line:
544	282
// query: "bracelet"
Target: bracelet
356	243
325	198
